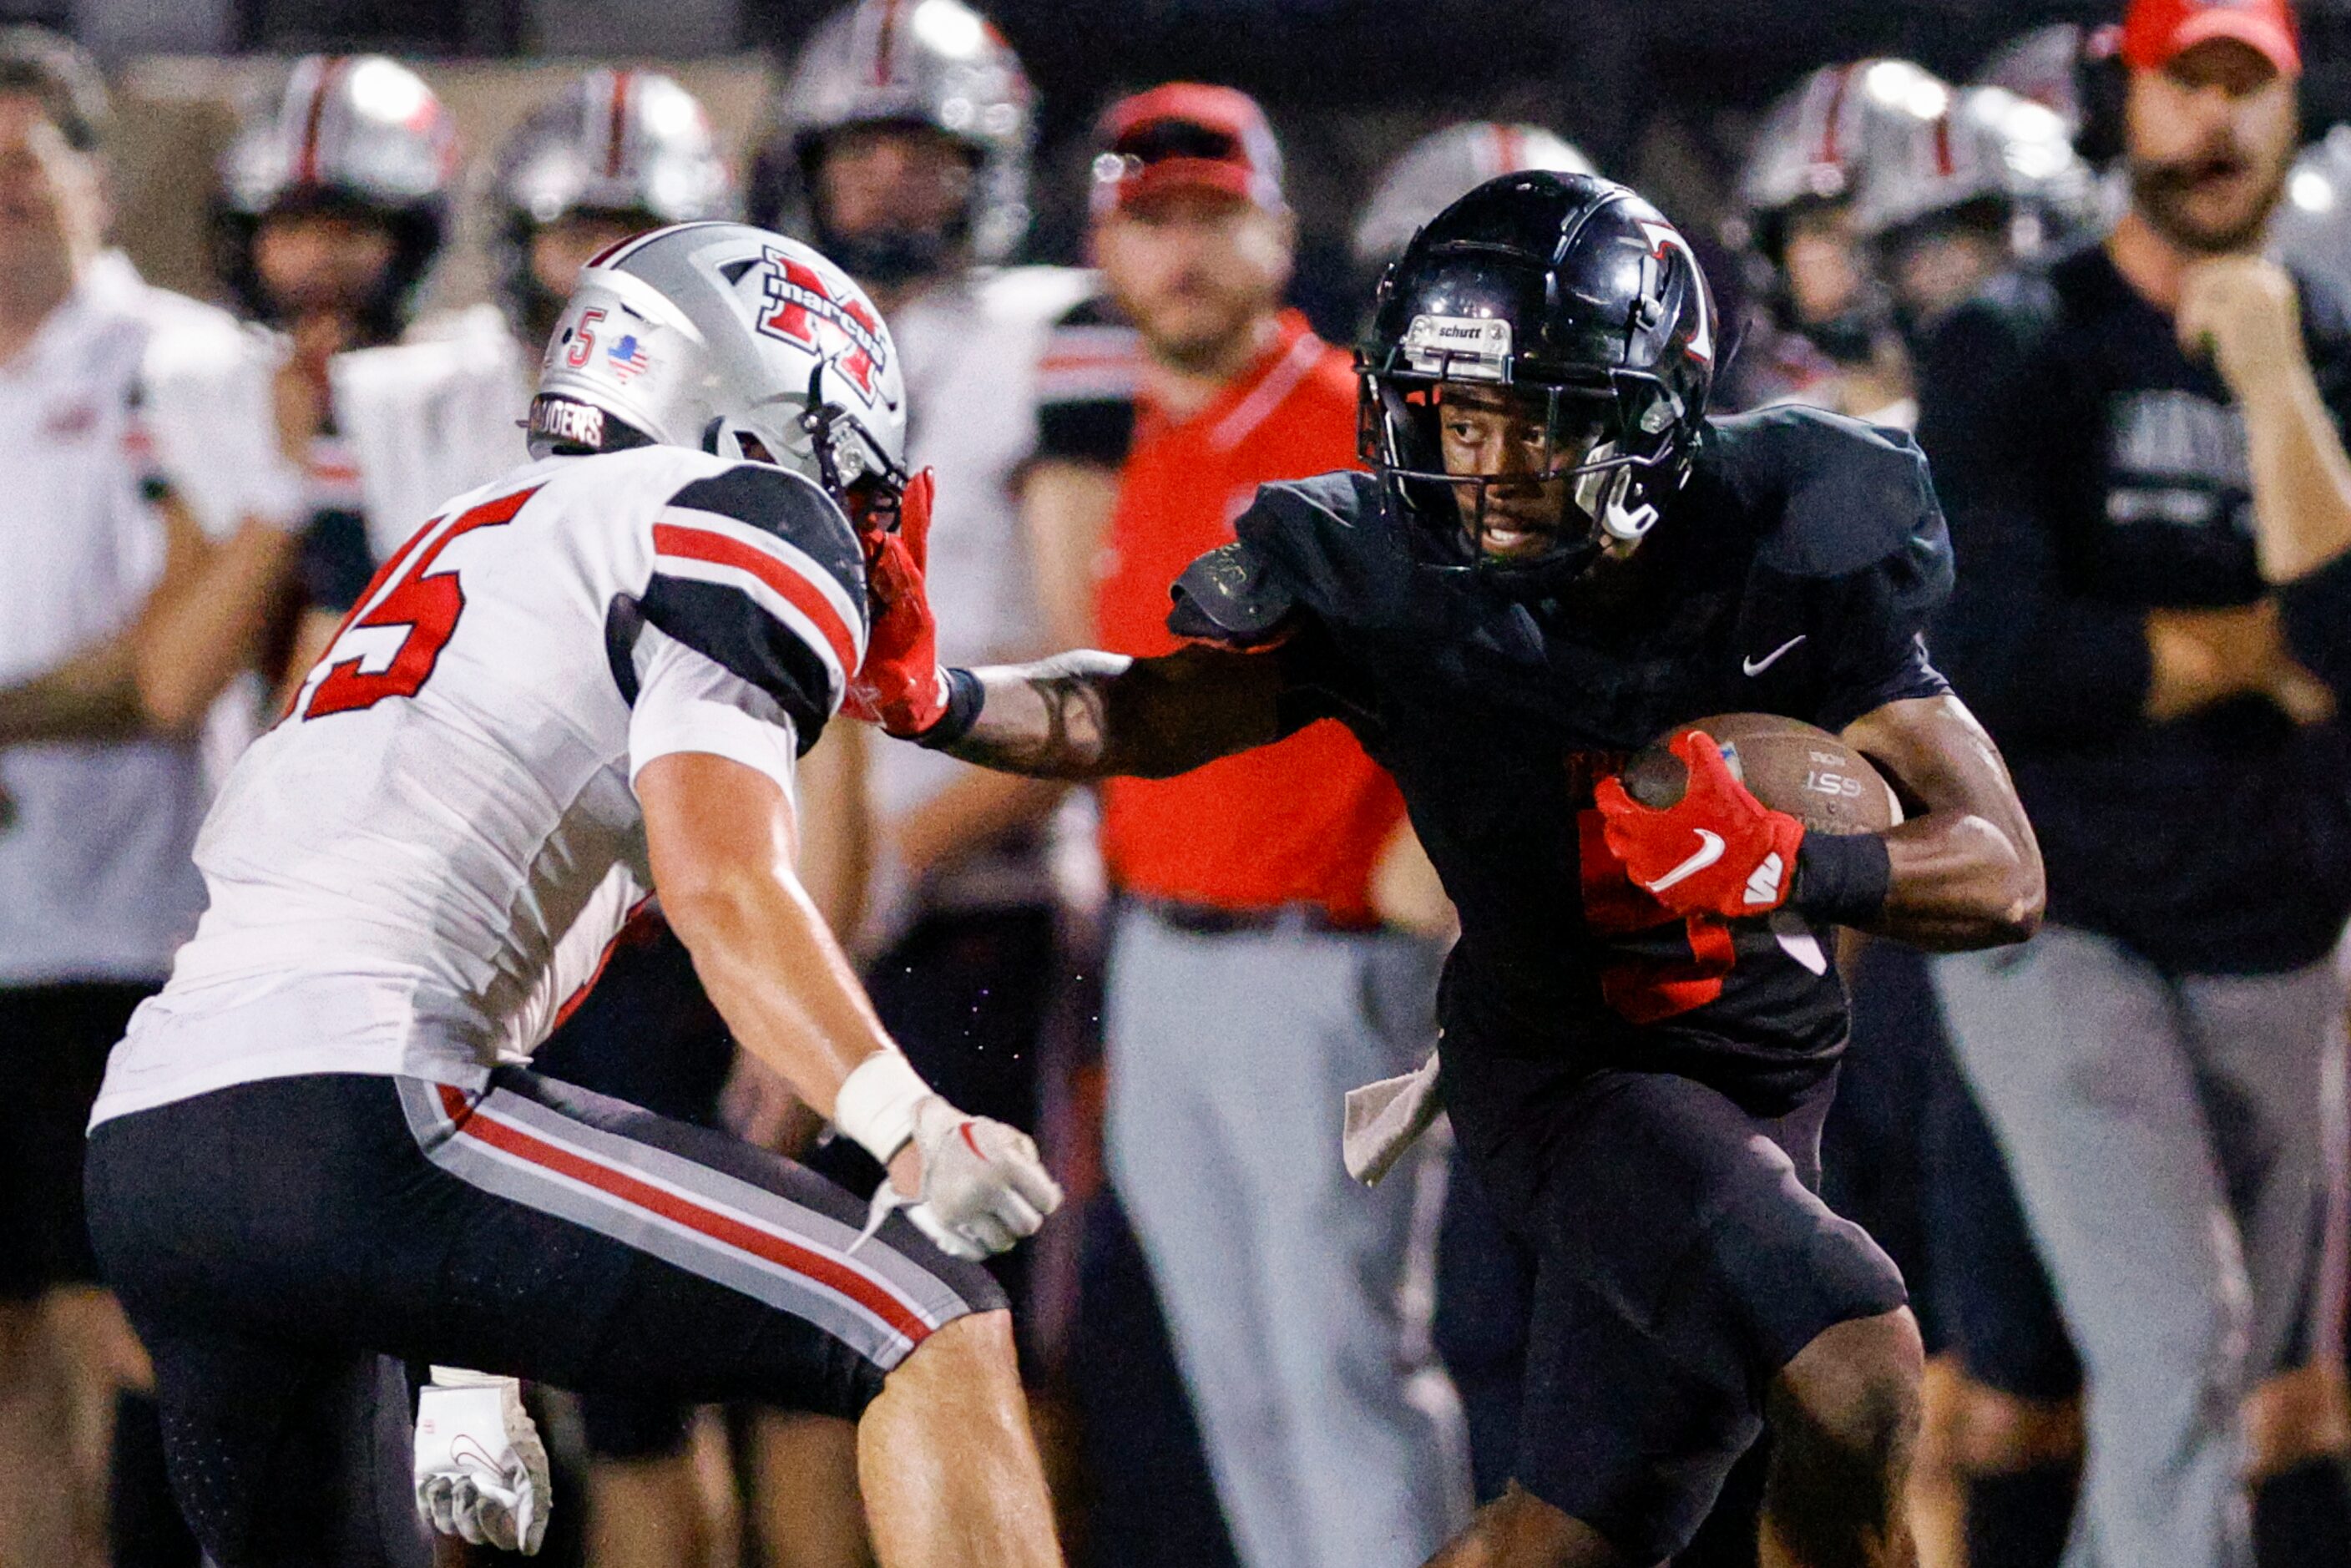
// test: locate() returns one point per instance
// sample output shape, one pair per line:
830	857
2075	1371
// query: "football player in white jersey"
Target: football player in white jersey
582	683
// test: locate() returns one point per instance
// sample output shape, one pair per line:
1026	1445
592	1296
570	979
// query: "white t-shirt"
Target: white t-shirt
971	347
416	870
94	882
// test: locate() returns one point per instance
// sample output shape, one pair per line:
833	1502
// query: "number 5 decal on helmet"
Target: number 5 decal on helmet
406	593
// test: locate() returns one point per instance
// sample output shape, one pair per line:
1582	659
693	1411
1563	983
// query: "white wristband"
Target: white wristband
876	1104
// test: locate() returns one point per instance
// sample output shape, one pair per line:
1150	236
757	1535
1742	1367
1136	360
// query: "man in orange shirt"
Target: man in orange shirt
1250	981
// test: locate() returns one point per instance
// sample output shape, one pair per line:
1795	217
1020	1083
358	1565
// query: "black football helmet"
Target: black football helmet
1566	288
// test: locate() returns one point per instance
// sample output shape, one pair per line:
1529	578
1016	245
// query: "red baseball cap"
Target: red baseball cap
2157	32
1186	135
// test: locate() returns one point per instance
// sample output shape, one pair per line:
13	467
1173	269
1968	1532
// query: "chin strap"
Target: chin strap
1602	493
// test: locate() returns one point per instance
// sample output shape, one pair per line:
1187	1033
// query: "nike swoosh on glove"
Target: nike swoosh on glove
900	686
1717	851
984	1186
481	1470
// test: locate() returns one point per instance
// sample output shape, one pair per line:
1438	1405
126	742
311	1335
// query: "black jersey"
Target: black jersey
1791	575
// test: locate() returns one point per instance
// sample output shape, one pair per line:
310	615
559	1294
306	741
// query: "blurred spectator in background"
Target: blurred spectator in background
335	202
134	470
1251	978
899	145
2139	448
1879	199
613	153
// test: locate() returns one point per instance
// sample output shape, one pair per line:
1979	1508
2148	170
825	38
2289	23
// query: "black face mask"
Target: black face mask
888	258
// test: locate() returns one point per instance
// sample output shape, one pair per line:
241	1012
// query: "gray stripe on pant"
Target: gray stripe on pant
520	1181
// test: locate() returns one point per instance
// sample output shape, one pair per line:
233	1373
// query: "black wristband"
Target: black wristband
964	697
1842	878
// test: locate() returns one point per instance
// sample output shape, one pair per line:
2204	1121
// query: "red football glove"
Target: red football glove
1717	851
900	686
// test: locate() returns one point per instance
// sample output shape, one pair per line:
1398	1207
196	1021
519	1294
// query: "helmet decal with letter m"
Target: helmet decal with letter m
807	312
1570	299
736	341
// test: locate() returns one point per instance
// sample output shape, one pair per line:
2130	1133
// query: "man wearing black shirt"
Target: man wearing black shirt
1558	559
2149	499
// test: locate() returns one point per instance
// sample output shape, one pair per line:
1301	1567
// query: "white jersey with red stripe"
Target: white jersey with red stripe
427	856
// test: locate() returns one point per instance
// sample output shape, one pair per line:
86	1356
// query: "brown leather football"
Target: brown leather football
1787	764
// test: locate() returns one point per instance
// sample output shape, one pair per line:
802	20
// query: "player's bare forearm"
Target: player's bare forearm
720	836
1966	869
209	621
93	696
1088	714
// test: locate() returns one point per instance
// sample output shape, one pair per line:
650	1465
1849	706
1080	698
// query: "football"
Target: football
1788	765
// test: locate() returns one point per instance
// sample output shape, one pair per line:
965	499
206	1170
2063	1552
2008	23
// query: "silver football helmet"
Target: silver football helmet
627	144
360	134
736	340
1818	142
2044	66
1988	149
936	63
2311	231
1431	174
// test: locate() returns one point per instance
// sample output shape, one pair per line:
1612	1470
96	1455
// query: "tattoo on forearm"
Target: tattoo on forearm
1045	719
1087	715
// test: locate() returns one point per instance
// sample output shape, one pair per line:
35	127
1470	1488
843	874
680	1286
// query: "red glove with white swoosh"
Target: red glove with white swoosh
1717	851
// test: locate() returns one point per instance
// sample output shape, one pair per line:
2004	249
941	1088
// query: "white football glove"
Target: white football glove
481	1470
984	1187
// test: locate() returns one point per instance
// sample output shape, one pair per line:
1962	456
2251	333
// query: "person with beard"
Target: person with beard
1256	967
2139	446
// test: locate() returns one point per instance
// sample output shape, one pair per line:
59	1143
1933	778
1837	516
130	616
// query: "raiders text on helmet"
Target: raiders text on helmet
1443	165
616	144
1570	289
935	63
733	339
355	134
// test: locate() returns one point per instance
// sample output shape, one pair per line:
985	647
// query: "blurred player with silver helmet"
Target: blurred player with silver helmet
1444	165
353	146
1955	196
933	65
1826	334
585	682
616	152
899	145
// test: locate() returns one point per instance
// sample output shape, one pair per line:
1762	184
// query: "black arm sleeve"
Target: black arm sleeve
1086	386
2033	659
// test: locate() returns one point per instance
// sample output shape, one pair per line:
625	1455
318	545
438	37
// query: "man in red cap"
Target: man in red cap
1253	977
2139	450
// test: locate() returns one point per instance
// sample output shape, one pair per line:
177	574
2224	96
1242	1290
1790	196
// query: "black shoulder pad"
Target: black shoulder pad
788	505
1228	596
1849	496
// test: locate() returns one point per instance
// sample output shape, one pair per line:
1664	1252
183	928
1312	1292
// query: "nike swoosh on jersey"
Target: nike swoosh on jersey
1710	850
1757	667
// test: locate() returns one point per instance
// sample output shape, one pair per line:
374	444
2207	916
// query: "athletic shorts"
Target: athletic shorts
270	1239
54	1039
1682	1258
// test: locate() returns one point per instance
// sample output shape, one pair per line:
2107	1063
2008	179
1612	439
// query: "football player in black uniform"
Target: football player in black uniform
1556	558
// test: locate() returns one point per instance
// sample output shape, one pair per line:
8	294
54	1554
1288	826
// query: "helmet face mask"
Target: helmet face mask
933	65
1565	324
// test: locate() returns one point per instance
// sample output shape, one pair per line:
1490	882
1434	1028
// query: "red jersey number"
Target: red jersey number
406	592
1643	987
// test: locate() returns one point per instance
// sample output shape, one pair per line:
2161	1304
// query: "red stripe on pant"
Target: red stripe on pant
722	1228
